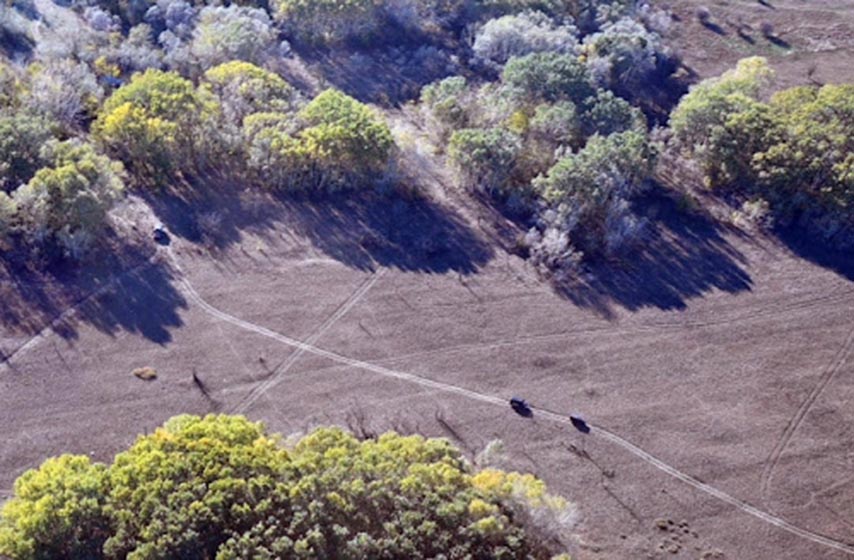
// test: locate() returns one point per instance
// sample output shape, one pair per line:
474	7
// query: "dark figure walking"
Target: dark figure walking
521	408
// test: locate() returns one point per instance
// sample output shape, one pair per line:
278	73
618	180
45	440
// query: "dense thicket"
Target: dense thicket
550	137
794	152
220	487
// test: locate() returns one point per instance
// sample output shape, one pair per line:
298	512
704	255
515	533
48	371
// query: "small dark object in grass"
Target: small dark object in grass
579	424
160	236
521	408
198	383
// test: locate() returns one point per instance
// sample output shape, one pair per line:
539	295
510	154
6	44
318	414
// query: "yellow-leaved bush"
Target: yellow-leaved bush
220	487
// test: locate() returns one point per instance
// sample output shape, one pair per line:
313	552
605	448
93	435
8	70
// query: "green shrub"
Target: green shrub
615	165
348	144
181	491
447	102
58	512
275	158
607	114
154	124
710	103
548	77
220	487
329	21
67	201
796	150
244	88
813	150
8	210
485	158
21	137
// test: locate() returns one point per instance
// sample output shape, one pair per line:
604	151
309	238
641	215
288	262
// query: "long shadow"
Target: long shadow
387	75
778	41
810	246
118	289
683	256
361	230
391	231
745	36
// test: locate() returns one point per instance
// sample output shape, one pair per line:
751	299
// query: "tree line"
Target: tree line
222	487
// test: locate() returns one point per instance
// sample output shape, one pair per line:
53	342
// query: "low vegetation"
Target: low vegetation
549	138
545	117
792	153
221	487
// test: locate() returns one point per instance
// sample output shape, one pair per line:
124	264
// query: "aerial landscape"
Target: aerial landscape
559	279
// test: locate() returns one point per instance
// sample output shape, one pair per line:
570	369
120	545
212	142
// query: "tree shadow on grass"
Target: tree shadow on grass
683	256
389	75
121	288
362	230
809	246
778	41
414	235
714	28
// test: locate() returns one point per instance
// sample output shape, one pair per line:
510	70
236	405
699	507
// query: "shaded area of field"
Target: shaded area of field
130	293
362	231
684	256
707	385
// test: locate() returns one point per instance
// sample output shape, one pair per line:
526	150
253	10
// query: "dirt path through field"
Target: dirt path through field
672	471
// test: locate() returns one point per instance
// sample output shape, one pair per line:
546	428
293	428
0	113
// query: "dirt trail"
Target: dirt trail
277	376
650	459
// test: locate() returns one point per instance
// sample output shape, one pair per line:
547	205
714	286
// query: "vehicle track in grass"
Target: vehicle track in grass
606	434
840	359
68	312
277	375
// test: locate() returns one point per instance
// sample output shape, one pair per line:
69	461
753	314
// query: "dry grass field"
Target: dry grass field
714	364
810	41
722	355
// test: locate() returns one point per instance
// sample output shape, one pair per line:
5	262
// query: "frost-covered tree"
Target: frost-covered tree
138	51
502	38
232	33
63	90
624	54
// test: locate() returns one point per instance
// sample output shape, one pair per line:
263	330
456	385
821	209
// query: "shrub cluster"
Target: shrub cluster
55	191
160	124
220	487
549	138
794	151
556	135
